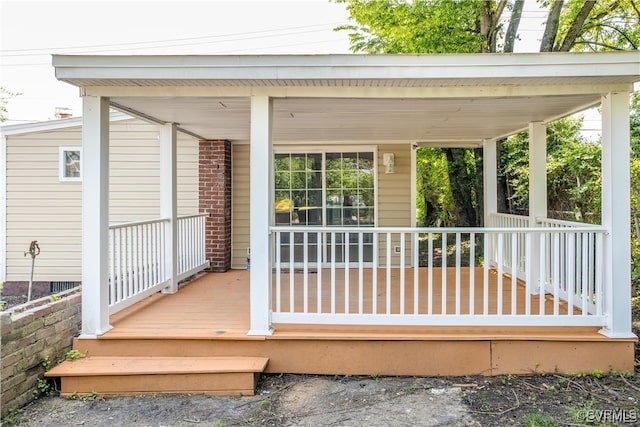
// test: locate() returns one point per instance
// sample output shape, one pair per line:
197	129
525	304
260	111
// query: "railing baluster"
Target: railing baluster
443	299
430	274
360	273
333	272
528	274
112	267
584	282
485	278
542	273
556	273
472	273
500	237
319	241
599	274
402	273
278	236
458	274
374	275
514	273
305	272
347	244
571	271
388	274
416	270
291	272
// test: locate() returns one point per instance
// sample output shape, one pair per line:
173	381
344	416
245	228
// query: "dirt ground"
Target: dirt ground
303	400
593	398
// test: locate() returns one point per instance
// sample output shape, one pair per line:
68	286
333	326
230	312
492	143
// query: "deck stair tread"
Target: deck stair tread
151	365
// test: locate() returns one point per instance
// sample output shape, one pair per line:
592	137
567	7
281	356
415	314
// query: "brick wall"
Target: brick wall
31	333
215	199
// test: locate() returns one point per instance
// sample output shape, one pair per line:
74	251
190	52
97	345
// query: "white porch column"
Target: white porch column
537	172
168	202
537	195
490	193
95	216
490	179
260	159
616	215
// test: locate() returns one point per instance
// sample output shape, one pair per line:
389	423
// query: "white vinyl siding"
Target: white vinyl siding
43	208
394	197
240	205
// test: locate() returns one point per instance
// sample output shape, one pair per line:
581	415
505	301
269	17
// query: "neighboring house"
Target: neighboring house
309	162
42	167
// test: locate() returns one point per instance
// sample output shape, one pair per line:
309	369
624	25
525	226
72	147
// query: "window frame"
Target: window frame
288	149
62	166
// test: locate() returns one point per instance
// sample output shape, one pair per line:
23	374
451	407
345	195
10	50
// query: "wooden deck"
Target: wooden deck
385	296
209	318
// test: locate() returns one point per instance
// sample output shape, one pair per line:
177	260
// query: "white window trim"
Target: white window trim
61	164
283	149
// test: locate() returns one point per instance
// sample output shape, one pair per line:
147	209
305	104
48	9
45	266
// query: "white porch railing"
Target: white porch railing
192	255
369	276
138	250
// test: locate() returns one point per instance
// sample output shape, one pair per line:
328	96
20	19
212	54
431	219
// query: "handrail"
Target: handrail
572	224
435	230
135	223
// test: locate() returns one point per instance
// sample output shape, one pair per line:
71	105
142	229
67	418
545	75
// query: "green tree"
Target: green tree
573	172
471	26
5	96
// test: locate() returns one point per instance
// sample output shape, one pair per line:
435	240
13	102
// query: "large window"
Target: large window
334	189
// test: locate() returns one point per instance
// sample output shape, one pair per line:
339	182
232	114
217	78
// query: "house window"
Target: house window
333	189
70	164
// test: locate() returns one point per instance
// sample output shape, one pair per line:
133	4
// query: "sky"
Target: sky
31	31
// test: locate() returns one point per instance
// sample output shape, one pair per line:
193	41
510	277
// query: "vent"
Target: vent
57	287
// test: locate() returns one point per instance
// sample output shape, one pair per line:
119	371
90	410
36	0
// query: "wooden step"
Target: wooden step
107	375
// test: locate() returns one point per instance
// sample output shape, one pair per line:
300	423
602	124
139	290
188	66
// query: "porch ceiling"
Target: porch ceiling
446	99
304	120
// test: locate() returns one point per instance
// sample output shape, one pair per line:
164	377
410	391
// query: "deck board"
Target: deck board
216	306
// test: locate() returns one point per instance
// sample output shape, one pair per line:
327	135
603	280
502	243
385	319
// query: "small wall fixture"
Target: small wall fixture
388	160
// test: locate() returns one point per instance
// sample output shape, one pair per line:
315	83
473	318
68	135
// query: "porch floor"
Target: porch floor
216	306
209	318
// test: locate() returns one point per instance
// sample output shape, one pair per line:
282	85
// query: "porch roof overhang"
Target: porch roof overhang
430	99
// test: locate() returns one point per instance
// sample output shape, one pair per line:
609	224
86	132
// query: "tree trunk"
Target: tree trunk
514	23
462	186
576	26
489	24
479	188
551	29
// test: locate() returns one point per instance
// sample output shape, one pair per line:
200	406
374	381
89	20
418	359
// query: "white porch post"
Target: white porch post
490	194
490	179
537	195
168	202
616	214
260	159
95	216
537	172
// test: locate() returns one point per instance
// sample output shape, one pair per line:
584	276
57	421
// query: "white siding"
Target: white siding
240	205
41	207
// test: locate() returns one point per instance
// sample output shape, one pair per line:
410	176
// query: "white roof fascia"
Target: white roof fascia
350	67
50	125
